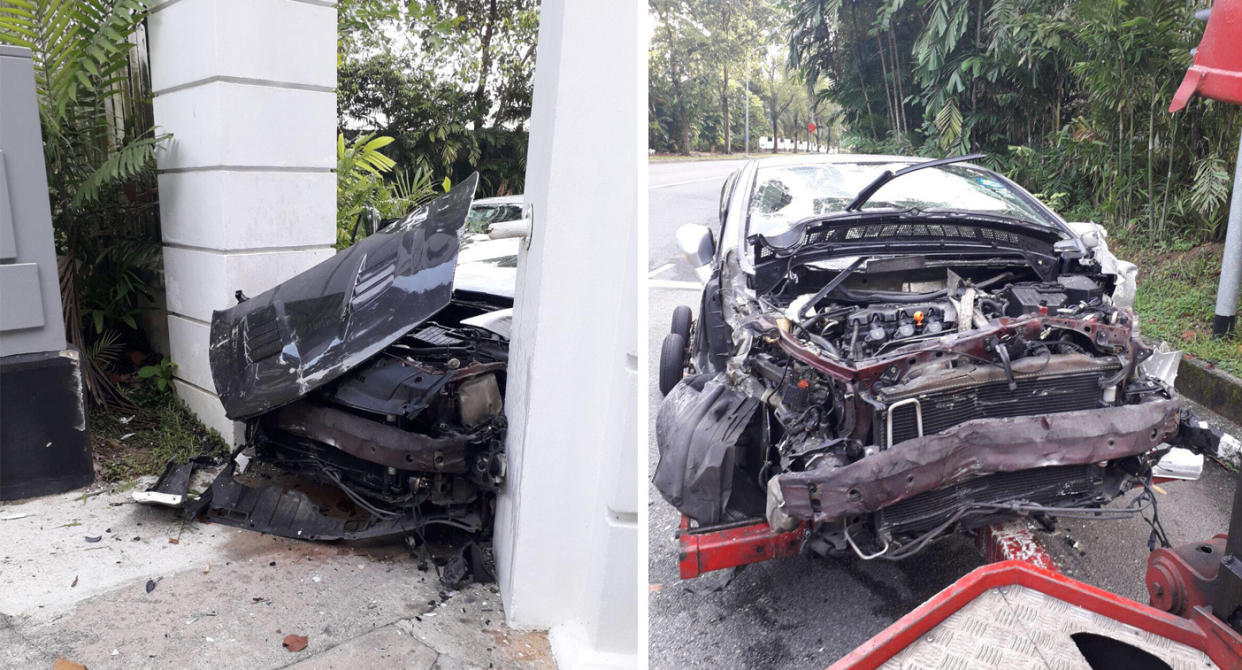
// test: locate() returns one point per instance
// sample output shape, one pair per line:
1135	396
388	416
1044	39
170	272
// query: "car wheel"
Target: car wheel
672	362
681	322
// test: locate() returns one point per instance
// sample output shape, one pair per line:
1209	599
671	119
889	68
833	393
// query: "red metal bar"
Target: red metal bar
1012	541
728	546
1202	632
1217	69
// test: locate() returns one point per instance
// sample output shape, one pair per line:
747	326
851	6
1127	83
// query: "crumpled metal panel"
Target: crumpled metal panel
287	512
374	441
701	431
975	448
285	342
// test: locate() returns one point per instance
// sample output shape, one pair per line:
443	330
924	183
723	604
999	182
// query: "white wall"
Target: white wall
566	533
247	193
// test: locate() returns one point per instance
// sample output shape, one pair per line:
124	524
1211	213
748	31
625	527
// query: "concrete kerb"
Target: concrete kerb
1211	387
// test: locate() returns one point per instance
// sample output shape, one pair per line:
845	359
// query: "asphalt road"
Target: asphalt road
803	612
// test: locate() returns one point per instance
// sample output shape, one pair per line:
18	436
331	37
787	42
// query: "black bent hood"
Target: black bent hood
285	342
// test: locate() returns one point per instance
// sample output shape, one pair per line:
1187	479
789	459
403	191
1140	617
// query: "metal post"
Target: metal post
1227	591
749	52
1231	262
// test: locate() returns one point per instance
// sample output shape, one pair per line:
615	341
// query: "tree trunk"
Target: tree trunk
683	120
974	81
888	98
485	64
862	79
901	87
775	116
724	88
724	108
774	109
684	135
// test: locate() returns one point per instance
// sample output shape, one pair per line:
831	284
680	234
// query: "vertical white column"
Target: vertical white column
247	193
566	532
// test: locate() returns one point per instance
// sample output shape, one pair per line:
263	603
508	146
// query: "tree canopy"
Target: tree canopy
1069	97
449	80
701	54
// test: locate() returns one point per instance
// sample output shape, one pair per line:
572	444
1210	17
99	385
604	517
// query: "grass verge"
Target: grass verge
1177	298
129	444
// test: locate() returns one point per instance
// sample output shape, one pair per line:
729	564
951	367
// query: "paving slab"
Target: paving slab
387	647
226	597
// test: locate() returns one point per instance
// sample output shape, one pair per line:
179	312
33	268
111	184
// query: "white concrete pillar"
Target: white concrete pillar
566	532
247	193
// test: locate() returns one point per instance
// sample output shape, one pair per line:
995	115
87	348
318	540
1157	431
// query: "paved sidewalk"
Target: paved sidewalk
226	598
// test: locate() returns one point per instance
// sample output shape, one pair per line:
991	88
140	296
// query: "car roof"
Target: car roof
822	159
501	200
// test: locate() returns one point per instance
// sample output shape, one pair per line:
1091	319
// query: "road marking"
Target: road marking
674	284
683	183
663	268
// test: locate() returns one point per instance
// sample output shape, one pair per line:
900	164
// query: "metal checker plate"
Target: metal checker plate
1017	628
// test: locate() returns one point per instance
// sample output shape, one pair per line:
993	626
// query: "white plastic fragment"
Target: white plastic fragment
1231	449
1179	463
242	461
158	498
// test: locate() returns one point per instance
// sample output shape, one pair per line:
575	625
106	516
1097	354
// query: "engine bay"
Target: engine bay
887	399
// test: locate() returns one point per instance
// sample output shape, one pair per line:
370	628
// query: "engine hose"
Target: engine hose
831	286
824	344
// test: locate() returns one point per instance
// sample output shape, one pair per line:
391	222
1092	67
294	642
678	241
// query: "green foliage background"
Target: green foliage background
1069	97
449	80
700	55
99	147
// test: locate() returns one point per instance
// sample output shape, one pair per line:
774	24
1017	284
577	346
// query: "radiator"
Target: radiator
984	393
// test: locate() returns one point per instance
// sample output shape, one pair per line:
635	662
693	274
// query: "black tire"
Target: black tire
672	362
681	322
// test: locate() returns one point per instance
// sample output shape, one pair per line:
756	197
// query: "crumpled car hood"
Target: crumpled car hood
285	342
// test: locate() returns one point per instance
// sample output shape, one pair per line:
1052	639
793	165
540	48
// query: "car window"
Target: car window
482	216
786	195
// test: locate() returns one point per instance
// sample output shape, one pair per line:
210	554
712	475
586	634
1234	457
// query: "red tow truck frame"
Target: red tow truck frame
1201	631
733	545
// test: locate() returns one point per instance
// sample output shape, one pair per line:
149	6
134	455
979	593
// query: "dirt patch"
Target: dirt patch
131	442
529	649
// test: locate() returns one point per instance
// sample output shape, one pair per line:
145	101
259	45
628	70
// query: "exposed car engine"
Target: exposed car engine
371	388
417	432
884	400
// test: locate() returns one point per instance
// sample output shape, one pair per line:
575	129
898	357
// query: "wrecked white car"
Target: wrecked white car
889	350
371	387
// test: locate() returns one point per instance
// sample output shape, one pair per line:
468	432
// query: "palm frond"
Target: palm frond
126	163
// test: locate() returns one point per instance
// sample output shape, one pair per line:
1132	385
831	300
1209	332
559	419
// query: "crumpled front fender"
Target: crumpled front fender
704	430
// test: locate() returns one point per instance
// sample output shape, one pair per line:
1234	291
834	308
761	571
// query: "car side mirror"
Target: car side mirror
696	243
1091	234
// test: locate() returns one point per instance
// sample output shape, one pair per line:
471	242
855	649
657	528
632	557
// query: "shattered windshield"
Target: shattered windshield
785	195
482	216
